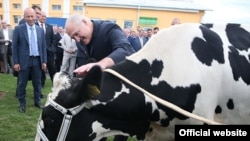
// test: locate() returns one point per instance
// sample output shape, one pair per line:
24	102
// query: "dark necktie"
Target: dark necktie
42	28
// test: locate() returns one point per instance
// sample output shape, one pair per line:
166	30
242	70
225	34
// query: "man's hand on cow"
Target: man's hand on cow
104	63
81	71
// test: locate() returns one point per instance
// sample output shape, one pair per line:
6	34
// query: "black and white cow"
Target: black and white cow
204	70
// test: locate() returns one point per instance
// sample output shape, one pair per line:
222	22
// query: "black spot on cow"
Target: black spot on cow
240	65
208	25
238	37
218	109
230	104
150	129
240	40
208	49
165	122
183	97
157	67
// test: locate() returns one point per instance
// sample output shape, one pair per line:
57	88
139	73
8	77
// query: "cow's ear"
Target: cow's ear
93	80
93	90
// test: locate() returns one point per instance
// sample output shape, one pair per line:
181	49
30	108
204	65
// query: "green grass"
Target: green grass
16	126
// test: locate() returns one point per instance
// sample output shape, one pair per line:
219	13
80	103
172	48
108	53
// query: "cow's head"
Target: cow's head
60	119
67	97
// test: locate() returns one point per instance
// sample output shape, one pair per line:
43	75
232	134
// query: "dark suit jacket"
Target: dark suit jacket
108	40
20	46
57	38
135	42
81	52
2	46
22	21
49	38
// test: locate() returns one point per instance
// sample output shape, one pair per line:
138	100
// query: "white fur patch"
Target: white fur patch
102	132
60	82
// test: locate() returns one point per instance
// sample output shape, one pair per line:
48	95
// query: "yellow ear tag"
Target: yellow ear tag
93	90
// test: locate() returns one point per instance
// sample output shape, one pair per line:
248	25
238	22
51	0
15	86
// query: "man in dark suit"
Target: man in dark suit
138	41
149	33
82	55
37	10
59	51
29	57
50	44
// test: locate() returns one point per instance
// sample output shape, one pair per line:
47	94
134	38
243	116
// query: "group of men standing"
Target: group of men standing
34	48
101	43
139	37
34	52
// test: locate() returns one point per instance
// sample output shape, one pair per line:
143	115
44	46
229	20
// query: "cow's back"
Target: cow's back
217	60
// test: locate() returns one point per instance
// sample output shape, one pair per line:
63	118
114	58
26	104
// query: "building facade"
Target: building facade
145	13
126	13
12	10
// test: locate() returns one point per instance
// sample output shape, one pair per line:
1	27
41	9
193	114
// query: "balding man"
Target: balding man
29	57
105	41
175	21
37	10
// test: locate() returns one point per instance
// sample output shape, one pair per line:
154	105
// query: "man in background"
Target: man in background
5	45
50	47
175	21
29	57
37	10
59	50
156	30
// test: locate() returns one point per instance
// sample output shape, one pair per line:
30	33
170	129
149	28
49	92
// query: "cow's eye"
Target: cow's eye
49	121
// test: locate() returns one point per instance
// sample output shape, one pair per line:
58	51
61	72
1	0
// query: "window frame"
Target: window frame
56	7
17	6
128	24
78	8
17	18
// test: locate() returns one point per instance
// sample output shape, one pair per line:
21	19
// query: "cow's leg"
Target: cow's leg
103	139
120	138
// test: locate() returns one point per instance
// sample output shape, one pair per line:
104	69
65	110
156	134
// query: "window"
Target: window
17	18
56	7
1	16
16	6
128	24
1	5
147	21
77	8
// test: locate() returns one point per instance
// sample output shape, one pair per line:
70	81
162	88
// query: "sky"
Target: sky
231	11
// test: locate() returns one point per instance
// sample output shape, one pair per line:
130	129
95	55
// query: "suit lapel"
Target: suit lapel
26	36
38	35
